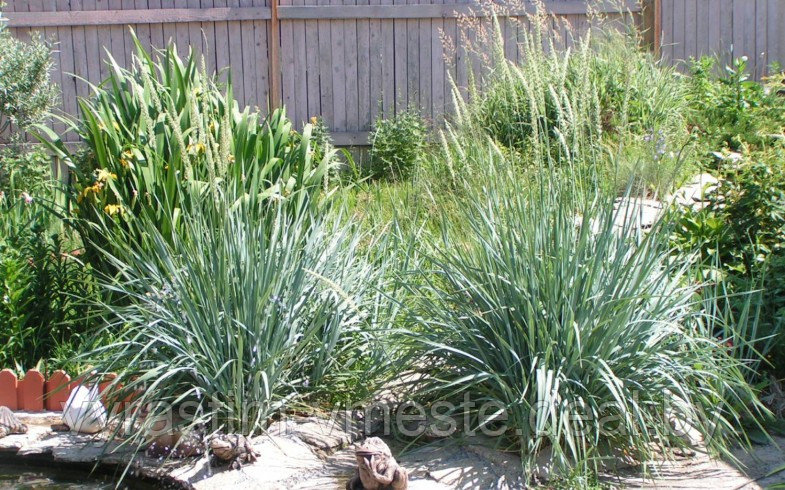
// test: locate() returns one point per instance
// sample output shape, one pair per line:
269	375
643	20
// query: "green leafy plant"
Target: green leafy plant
24	172
156	131
397	145
44	287
731	110
26	92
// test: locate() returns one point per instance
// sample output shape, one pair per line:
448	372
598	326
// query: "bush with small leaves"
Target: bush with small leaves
26	91
397	145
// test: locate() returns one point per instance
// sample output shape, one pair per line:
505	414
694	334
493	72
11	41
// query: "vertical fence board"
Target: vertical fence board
236	46
726	30
399	49
437	69
667	30
778	28
679	37
351	73
338	69
92	49
288	74
208	38
387	53
364	103
312	41
301	70
702	37
262	39
737	41
325	67
774	27
67	62
157	37
425	69
761	49
715	39
250	73
376	40
691	46
222	44
412	61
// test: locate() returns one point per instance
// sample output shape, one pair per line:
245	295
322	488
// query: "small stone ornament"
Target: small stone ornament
84	413
9	423
377	469
234	449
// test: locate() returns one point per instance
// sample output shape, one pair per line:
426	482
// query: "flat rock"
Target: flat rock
55	443
637	213
326	435
703	472
693	193
444	464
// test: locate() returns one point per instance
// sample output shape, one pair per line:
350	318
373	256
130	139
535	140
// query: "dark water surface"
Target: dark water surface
55	477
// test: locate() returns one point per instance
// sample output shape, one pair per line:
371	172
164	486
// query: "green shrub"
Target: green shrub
397	145
24	172
156	131
542	307
741	235
738	124
730	110
44	286
26	91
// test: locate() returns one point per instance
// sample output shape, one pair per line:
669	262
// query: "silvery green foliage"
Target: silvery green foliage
555	315
240	317
26	90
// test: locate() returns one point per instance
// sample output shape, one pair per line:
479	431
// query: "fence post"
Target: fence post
652	29
657	27
275	61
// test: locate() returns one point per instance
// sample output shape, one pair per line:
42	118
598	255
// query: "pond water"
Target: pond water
24	477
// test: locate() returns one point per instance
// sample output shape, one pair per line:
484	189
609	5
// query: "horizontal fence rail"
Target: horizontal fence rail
123	17
438	11
349	61
323	12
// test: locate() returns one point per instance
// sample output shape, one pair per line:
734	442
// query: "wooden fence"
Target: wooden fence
728	28
347	60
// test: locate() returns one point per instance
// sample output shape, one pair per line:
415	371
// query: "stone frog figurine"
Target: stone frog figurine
9	423
234	449
377	469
